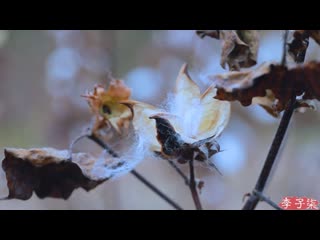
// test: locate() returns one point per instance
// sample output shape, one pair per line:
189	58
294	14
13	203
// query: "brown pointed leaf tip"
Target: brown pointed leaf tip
300	42
48	172
107	108
239	47
275	82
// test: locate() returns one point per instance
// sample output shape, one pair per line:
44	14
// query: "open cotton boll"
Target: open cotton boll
200	116
185	103
187	118
192	119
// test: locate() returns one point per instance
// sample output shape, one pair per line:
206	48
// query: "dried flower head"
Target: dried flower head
107	107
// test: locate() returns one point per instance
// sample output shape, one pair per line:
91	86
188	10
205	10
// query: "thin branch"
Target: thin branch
103	145
135	173
193	187
267	200
175	167
155	190
274	149
254	198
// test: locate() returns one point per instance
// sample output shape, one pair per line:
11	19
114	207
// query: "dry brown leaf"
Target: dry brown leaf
239	47
282	83
304	105
299	45
267	103
107	108
48	172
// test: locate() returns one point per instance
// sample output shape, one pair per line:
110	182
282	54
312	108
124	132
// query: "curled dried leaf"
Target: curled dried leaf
239	47
277	81
315	35
304	105
267	103
107	108
48	172
299	45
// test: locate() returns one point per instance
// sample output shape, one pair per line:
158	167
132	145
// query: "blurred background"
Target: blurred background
43	74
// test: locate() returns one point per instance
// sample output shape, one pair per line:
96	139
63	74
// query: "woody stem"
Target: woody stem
193	187
273	152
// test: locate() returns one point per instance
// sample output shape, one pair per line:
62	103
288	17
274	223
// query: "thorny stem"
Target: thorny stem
135	173
274	149
193	187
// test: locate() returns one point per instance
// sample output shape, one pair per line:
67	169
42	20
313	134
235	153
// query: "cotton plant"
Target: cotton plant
185	130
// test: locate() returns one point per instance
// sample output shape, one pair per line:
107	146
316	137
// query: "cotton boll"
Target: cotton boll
145	83
192	119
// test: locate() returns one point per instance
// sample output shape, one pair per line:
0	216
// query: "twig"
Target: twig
185	178
156	190
193	187
267	200
135	173
274	149
276	143
103	145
